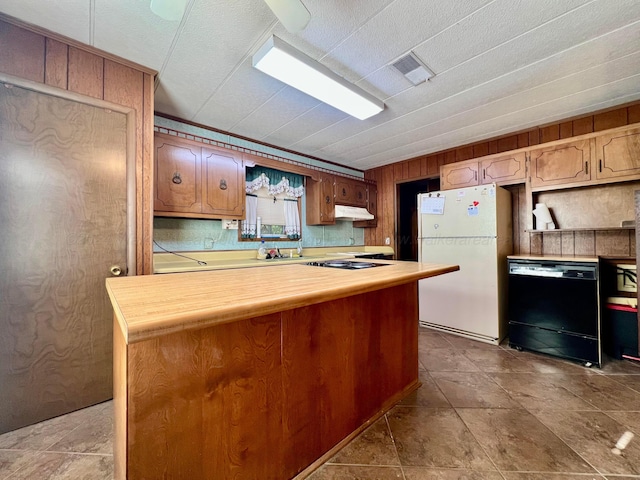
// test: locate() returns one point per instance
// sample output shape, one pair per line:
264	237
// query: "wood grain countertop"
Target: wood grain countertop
149	306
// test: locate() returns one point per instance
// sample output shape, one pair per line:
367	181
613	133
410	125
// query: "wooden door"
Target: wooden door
618	155
344	191
360	194
63	211
459	175
327	202
223	185
504	169
178	175
561	165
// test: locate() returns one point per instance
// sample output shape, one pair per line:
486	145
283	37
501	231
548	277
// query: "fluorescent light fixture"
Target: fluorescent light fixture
283	62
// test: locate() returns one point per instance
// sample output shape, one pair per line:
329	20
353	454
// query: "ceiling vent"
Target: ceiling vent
412	68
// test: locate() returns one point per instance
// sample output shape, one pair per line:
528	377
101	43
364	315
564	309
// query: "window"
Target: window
272	205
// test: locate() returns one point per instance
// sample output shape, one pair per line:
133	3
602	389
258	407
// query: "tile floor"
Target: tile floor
482	413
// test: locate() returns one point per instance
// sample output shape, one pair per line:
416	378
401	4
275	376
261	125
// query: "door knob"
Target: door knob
115	270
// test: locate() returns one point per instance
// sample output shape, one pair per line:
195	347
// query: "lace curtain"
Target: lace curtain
275	182
251	211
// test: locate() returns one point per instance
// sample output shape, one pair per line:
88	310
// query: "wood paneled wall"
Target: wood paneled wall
428	166
52	60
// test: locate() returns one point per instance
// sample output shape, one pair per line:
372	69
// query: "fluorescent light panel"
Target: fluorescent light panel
283	62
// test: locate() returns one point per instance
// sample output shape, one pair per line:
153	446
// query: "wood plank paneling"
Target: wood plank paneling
86	72
633	114
144	220
582	126
507	143
449	157
611	119
585	243
523	140
549	133
464	153
414	168
534	137
536	243
56	62
566	130
481	149
568	243
552	243
21	53
493	146
613	243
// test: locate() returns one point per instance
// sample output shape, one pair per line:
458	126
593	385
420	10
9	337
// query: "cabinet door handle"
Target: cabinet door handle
223	184
475	175
484	173
176	178
327	200
586	168
600	165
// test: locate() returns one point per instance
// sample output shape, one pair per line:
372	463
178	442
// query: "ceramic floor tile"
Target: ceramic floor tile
496	360
356	472
463	342
631	381
428	338
630	420
517	441
474	390
419	473
593	435
374	446
13	460
547	476
435	437
548	364
539	391
93	436
65	466
428	395
44	434
446	360
601	391
613	366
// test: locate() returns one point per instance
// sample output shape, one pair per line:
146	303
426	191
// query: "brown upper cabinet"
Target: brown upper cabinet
618	155
503	169
372	208
350	192
566	164
459	175
320	200
196	181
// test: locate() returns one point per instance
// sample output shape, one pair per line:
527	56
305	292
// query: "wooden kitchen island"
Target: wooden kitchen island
258	373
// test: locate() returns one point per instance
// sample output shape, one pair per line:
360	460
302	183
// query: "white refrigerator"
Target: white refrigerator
470	227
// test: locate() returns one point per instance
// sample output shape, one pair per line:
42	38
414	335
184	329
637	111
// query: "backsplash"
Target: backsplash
186	234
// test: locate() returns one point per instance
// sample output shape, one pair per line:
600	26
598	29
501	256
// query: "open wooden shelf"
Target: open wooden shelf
580	229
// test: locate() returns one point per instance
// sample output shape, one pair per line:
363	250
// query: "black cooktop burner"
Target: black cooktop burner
346	264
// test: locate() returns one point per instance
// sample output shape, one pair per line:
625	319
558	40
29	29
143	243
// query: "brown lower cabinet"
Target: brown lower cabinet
265	397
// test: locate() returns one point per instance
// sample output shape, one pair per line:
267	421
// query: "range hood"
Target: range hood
345	212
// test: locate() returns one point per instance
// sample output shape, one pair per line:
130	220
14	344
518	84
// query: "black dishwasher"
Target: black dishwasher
553	308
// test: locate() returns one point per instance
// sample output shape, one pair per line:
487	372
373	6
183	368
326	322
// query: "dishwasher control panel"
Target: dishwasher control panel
579	271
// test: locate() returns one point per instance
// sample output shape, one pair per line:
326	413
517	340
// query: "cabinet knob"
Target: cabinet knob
327	200
344	192
176	178
223	184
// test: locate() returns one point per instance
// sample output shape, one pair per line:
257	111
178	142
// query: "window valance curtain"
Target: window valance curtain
275	181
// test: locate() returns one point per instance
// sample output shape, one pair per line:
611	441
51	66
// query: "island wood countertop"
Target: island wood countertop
149	306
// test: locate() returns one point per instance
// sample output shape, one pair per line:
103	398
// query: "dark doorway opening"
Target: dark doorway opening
407	221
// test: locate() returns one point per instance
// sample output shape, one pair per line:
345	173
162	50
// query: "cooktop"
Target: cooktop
346	264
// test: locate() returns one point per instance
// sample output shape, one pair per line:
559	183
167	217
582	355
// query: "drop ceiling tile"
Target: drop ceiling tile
72	19
139	36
